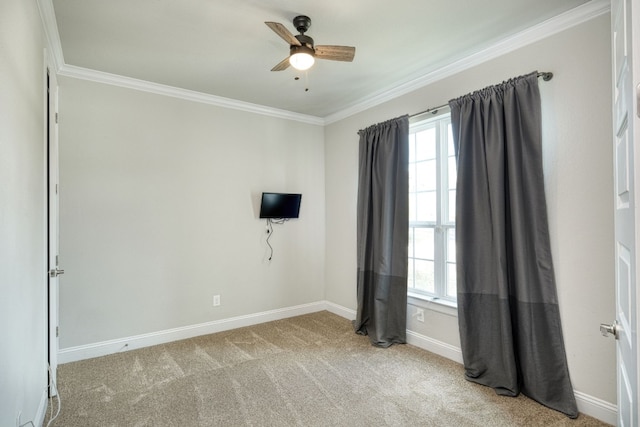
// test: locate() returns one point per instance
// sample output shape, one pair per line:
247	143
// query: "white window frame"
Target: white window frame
438	300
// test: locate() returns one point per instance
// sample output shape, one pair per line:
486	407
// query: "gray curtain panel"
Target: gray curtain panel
509	319
383	232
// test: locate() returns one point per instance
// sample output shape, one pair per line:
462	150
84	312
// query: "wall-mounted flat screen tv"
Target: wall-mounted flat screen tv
280	205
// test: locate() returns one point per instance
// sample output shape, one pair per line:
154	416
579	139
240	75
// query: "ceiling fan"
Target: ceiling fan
302	51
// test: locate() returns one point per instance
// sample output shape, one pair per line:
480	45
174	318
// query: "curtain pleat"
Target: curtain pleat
508	314
382	232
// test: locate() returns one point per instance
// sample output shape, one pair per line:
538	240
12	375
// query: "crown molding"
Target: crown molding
189	95
571	18
48	17
538	32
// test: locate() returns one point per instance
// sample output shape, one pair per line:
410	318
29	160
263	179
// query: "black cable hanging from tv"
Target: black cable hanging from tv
270	222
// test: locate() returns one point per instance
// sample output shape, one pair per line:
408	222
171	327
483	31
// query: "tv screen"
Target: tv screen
280	205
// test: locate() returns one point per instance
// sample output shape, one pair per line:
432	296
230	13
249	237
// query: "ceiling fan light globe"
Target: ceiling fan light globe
301	61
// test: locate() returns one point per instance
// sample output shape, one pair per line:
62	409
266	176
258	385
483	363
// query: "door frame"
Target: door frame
51	219
635	95
625	26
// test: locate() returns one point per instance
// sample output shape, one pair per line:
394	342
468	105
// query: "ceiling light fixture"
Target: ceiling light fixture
301	57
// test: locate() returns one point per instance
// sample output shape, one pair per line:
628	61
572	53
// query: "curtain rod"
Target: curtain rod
546	76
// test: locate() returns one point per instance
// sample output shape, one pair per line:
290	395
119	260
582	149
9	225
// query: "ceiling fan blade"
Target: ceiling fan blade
282	65
282	31
335	53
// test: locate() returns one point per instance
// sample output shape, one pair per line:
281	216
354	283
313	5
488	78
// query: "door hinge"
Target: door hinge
57	331
57	260
56	117
56	188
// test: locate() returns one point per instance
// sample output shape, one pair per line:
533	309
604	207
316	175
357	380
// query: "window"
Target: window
432	197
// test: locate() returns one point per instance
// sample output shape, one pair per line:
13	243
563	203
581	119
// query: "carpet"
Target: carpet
310	370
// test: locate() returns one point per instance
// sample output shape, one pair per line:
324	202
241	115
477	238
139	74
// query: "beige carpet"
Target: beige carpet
311	370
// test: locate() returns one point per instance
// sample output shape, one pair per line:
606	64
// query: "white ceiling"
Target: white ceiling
223	47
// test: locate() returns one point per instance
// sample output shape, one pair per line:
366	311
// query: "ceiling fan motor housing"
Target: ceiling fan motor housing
305	41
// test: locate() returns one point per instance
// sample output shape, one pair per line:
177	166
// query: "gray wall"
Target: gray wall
23	310
578	177
159	207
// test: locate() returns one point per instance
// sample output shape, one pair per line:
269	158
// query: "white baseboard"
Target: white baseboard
73	354
588	405
341	311
434	346
42	409
597	408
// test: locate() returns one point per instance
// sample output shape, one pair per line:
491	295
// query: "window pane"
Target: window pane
451	280
451	245
452	206
424	276
412	207
453	174
412	177
412	148
426	175
450	146
424	243
426	144
426	206
411	243
410	281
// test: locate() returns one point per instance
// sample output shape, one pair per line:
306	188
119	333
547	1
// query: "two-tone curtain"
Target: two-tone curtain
382	232
509	320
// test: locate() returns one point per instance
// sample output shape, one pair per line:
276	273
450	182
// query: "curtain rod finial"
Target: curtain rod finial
546	76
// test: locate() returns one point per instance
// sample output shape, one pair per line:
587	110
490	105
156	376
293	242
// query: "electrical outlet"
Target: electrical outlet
216	300
420	314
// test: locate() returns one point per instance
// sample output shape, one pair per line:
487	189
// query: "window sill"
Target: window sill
449	308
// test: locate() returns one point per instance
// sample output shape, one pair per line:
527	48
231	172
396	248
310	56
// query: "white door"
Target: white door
626	75
52	179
